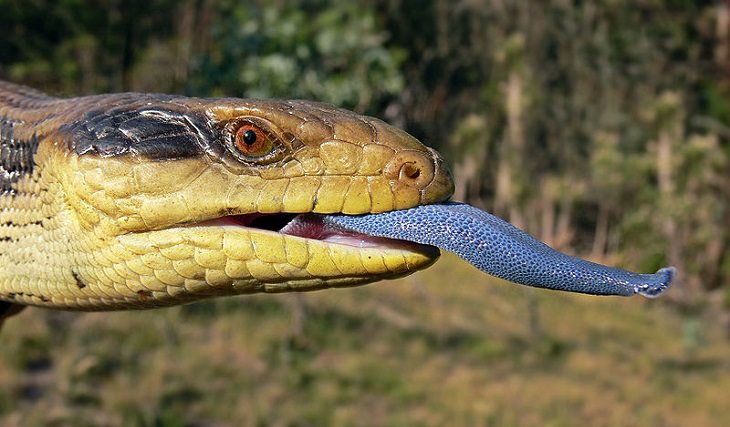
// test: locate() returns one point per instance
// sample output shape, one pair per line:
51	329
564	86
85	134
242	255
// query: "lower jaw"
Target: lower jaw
303	254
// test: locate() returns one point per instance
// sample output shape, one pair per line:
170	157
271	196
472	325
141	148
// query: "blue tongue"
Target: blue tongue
502	250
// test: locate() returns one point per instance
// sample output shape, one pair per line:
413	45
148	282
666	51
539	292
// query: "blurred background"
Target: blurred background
600	126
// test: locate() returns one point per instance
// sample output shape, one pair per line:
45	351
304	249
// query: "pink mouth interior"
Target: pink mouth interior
309	226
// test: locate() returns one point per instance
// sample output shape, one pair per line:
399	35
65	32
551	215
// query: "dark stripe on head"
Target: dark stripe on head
161	131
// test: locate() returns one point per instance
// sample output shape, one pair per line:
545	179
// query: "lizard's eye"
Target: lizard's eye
253	140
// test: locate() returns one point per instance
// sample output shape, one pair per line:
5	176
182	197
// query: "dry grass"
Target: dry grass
445	347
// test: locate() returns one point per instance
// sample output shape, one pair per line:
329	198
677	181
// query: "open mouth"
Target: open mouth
311	226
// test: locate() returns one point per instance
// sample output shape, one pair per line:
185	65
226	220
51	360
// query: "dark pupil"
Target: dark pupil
249	137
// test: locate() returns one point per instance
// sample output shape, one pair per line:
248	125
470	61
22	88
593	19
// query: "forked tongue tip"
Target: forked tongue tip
655	288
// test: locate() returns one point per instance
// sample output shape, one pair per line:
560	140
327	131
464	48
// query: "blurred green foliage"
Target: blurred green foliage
325	50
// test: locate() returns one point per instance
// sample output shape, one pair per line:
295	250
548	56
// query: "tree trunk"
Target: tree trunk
505	197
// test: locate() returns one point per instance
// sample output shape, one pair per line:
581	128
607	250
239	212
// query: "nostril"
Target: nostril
414	169
410	170
418	176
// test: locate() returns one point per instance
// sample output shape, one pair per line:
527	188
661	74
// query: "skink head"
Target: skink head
193	197
255	156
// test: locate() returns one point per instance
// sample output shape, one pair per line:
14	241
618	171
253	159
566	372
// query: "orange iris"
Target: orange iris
251	141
